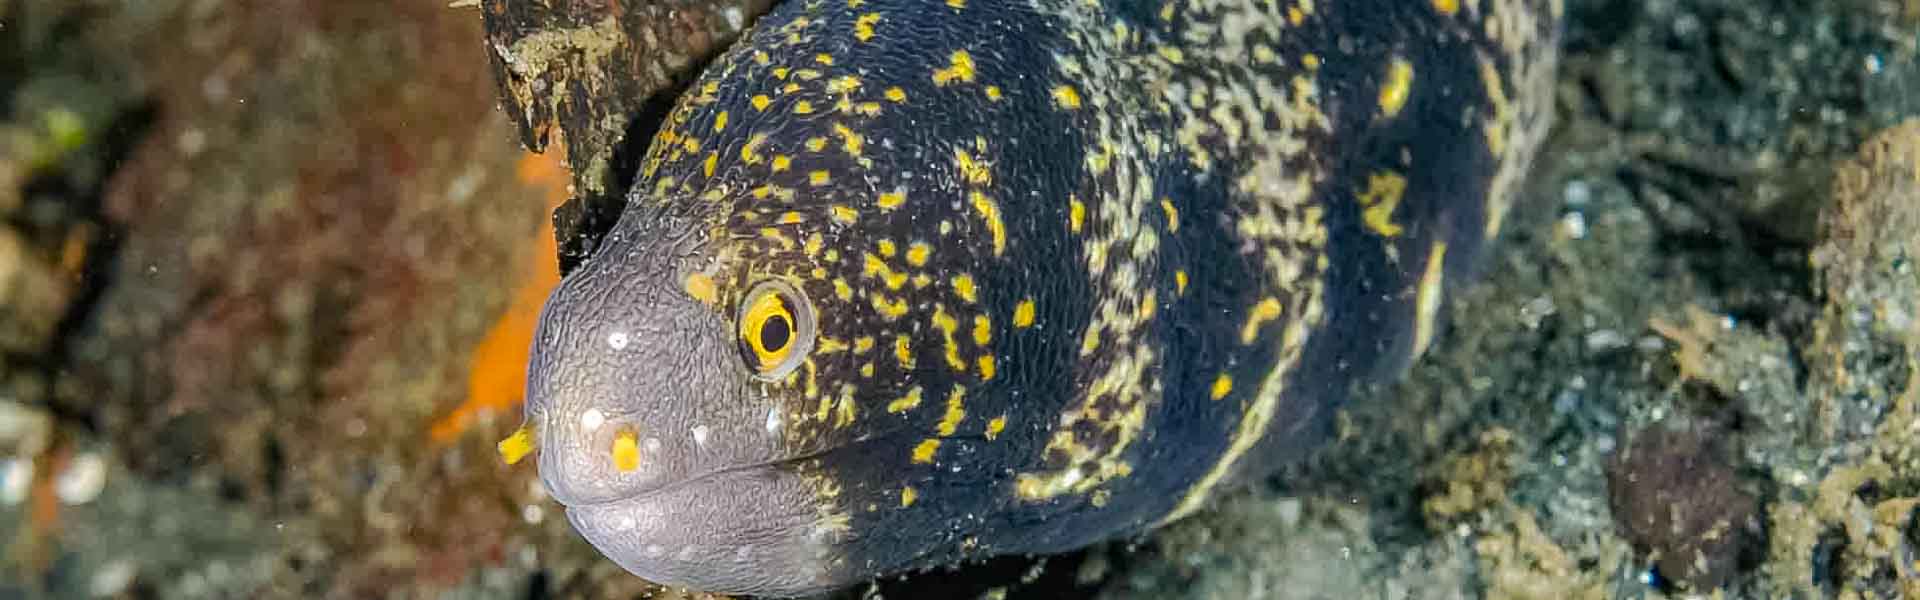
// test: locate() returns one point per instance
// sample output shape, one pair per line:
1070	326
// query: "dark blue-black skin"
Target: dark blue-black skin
905	283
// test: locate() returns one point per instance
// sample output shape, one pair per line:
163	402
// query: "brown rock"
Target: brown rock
1679	501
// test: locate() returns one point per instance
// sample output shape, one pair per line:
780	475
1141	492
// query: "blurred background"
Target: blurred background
268	272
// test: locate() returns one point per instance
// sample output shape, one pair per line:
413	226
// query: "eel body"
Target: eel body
903	283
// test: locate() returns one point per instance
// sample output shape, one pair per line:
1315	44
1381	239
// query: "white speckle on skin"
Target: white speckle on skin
652	444
655	550
700	435
618	340
592	419
533	514
626	523
773	420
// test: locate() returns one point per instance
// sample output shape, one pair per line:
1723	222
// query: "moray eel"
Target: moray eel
905	283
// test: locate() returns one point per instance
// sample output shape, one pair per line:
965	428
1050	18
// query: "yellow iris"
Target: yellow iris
768	330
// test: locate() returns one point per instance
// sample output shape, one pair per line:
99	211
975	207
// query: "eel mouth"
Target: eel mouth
752	529
672	486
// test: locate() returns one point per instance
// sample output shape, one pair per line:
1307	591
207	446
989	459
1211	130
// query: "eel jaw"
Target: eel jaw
756	530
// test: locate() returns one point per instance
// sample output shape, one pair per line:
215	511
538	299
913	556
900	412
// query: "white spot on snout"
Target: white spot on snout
592	419
653	445
700	435
655	550
773	420
618	340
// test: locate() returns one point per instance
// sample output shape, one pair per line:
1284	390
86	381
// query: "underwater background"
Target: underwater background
269	270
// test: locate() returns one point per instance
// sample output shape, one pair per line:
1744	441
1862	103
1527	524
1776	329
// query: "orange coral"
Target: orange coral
497	369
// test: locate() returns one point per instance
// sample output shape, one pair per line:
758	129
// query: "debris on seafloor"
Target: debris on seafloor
1696	337
1853	532
28	449
1468	490
1519	561
1469	481
35	291
1834	447
1678	499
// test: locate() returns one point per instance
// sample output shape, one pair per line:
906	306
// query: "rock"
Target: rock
1679	500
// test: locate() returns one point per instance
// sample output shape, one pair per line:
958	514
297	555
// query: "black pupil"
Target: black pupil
774	334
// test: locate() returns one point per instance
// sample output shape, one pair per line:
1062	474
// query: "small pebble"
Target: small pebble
1536	310
1573	226
16	480
1606	339
1577	193
1289	511
82	480
113	578
24	431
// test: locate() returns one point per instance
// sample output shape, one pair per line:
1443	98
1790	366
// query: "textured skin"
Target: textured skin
1077	267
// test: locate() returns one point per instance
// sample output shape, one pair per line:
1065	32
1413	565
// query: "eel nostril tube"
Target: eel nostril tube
626	451
516	446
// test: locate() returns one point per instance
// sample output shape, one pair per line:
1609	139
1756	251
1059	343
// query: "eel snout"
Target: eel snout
649	431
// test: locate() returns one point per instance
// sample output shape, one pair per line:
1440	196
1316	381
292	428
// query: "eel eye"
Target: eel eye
776	329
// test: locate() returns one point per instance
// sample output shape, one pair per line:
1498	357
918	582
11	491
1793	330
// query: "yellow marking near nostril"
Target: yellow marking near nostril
626	451
516	446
